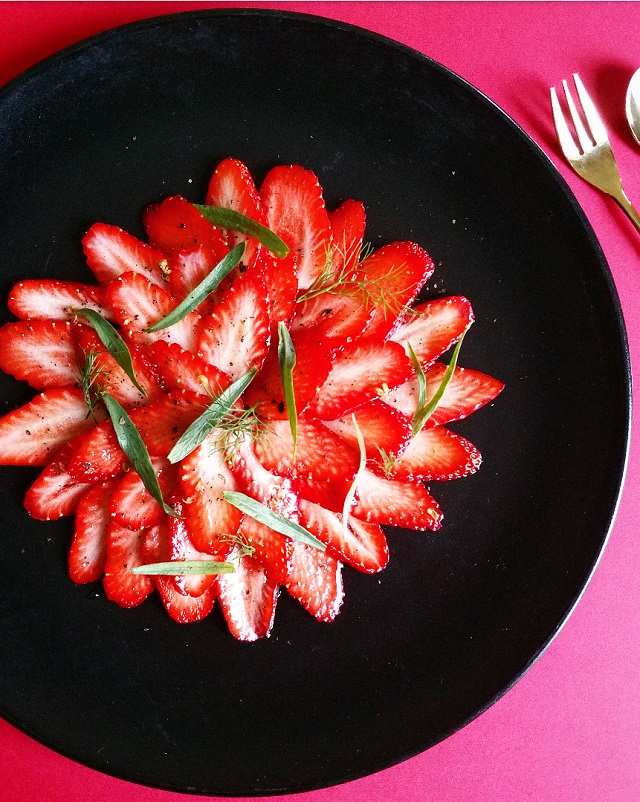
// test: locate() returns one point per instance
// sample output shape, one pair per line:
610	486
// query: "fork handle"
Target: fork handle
627	207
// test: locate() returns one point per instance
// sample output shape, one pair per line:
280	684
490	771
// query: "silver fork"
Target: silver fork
593	160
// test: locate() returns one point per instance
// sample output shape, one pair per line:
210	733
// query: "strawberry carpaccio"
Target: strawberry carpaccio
357	333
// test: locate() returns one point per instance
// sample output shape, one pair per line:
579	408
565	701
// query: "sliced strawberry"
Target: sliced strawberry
248	599
182	608
132	505
110	252
99	456
88	551
232	187
32	434
110	377
52	299
362	371
175	225
55	493
395	503
210	520
187	268
381	431
437	453
393	275
163	422
180	370
40	352
363	546
315	580
433	327
323	467
235	335
124	552
180	547
270	549
295	210
136	304
467	391
348	223
314	357
281	280
343	315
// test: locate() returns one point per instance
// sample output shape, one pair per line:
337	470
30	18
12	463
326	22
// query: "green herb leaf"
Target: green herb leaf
424	411
205	423
228	218
133	446
287	362
267	516
184	568
422	385
346	510
199	293
112	341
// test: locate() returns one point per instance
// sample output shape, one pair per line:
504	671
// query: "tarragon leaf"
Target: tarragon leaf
202	426
287	362
426	410
133	446
228	218
112	341
185	568
269	517
200	292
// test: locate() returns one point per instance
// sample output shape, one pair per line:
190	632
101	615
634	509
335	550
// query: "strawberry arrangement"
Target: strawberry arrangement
241	403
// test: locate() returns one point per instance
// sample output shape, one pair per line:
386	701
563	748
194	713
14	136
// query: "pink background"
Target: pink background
570	729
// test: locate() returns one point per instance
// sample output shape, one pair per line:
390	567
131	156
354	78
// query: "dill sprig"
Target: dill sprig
90	373
387	461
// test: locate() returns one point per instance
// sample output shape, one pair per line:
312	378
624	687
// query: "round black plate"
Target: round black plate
145	111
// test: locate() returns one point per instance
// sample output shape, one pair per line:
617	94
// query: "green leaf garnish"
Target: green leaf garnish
348	502
202	426
184	568
425	410
422	386
112	341
133	446
287	362
199	293
228	218
267	516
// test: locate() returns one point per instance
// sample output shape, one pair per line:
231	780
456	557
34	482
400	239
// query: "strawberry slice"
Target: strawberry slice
393	275
187	268
433	327
132	505
110	252
124	552
468	391
55	493
136	304
40	352
383	429
436	453
395	503
33	433
362	371
176	225
281	280
98	456
180	547
348	223
182	608
52	299
180	370
315	580
324	465
235	336
343	315
88	551
295	210
232	187
162	423
210	520
248	599
270	549
363	546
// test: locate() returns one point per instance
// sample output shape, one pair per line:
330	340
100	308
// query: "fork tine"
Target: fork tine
598	130
583	136
562	129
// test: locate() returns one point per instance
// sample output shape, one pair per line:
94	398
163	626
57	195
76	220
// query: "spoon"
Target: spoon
632	105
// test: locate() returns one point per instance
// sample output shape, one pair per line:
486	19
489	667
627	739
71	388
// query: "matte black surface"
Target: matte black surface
145	111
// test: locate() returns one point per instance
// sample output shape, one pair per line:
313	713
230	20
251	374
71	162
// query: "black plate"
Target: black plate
144	111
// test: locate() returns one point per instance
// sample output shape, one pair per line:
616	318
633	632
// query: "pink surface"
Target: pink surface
570	729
